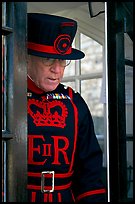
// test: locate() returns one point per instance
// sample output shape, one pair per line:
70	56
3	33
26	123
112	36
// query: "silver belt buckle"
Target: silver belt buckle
43	190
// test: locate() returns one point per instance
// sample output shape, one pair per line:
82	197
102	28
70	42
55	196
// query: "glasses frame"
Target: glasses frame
51	61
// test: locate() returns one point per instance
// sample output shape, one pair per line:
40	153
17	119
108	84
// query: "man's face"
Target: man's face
46	76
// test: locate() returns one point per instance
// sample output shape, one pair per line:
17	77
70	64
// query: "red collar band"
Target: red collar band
45	48
32	86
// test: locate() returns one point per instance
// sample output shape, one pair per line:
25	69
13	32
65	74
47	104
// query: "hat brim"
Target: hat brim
75	54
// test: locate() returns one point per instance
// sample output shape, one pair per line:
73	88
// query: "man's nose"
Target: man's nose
56	67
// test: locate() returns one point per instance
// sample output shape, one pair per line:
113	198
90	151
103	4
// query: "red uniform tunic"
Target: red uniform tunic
64	157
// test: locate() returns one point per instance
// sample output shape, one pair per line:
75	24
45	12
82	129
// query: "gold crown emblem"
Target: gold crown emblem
46	113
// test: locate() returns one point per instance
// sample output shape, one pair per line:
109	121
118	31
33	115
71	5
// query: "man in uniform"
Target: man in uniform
64	157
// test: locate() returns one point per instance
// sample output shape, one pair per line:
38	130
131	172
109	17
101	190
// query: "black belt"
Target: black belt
58	181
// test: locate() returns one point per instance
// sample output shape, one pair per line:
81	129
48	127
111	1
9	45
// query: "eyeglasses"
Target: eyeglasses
51	61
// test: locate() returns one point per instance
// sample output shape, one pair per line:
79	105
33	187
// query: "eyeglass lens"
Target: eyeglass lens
51	61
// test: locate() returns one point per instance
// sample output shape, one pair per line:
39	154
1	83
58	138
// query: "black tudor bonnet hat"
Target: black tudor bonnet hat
51	36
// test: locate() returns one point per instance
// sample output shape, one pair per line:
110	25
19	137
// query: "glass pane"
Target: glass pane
3	83
92	62
3	13
70	69
129	115
90	91
129	128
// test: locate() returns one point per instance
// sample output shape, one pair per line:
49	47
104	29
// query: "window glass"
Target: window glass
3	13
90	91
92	62
70	69
3	83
